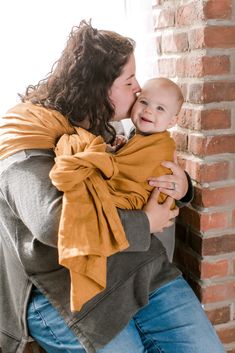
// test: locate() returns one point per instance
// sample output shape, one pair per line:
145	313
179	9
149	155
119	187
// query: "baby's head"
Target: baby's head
157	106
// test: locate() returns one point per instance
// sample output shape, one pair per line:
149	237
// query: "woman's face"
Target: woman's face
123	90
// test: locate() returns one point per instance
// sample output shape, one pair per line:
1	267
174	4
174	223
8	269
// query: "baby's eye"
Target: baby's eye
160	108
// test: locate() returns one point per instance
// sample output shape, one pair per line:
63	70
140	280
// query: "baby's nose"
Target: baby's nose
148	110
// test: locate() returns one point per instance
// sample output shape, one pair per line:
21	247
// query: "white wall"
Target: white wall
33	34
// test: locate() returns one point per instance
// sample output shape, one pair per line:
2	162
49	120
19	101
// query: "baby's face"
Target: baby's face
156	108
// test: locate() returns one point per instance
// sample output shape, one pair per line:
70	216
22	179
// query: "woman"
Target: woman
146	306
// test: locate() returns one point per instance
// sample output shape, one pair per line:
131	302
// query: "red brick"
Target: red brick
214	9
218	245
204	119
223	244
194	169
234	272
165	18
214	269
159	45
181	140
219	91
189	13
200	66
208	92
227	335
184	89
218	292
207	172
197	144
196	38
217	220
233	218
220	37
203	221
173	43
215	119
219	315
215	65
214	171
195	93
188	118
167	67
212	37
232	168
210	145
222	196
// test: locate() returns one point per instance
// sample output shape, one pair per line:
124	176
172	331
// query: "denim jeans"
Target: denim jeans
172	322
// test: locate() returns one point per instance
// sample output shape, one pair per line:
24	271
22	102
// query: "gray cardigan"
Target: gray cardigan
30	209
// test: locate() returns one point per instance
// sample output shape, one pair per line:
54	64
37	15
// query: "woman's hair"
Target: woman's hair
79	82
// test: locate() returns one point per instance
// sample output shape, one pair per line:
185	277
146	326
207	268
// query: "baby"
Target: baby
157	106
155	109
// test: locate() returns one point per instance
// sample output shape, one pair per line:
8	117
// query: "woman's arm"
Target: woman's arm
160	216
30	194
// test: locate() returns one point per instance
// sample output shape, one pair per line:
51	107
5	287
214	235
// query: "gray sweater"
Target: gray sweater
30	209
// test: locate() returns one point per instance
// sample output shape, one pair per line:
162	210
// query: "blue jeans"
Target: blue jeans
172	322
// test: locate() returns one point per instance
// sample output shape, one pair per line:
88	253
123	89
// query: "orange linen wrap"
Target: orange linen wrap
93	182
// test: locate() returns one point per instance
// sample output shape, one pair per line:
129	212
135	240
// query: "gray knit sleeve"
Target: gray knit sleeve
136	226
30	194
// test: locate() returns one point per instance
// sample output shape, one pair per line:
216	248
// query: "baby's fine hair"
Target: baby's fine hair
79	81
169	83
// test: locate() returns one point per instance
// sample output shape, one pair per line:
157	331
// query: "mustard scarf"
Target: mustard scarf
93	182
28	126
85	239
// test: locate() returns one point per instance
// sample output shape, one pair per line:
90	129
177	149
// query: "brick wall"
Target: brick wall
195	43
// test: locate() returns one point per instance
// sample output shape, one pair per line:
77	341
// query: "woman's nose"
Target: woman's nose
136	87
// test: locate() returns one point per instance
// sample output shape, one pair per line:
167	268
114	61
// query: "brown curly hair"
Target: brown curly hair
79	81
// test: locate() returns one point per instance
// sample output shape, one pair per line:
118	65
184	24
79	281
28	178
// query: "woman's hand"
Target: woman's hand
174	185
160	216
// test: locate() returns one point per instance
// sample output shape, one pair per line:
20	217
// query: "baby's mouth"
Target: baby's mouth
145	119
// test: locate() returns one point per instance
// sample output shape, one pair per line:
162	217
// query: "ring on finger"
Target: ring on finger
173	185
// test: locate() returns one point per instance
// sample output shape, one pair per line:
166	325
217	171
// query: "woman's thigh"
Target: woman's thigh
51	332
127	341
174	322
47	327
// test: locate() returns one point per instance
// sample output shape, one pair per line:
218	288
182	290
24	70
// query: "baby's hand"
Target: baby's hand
119	141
